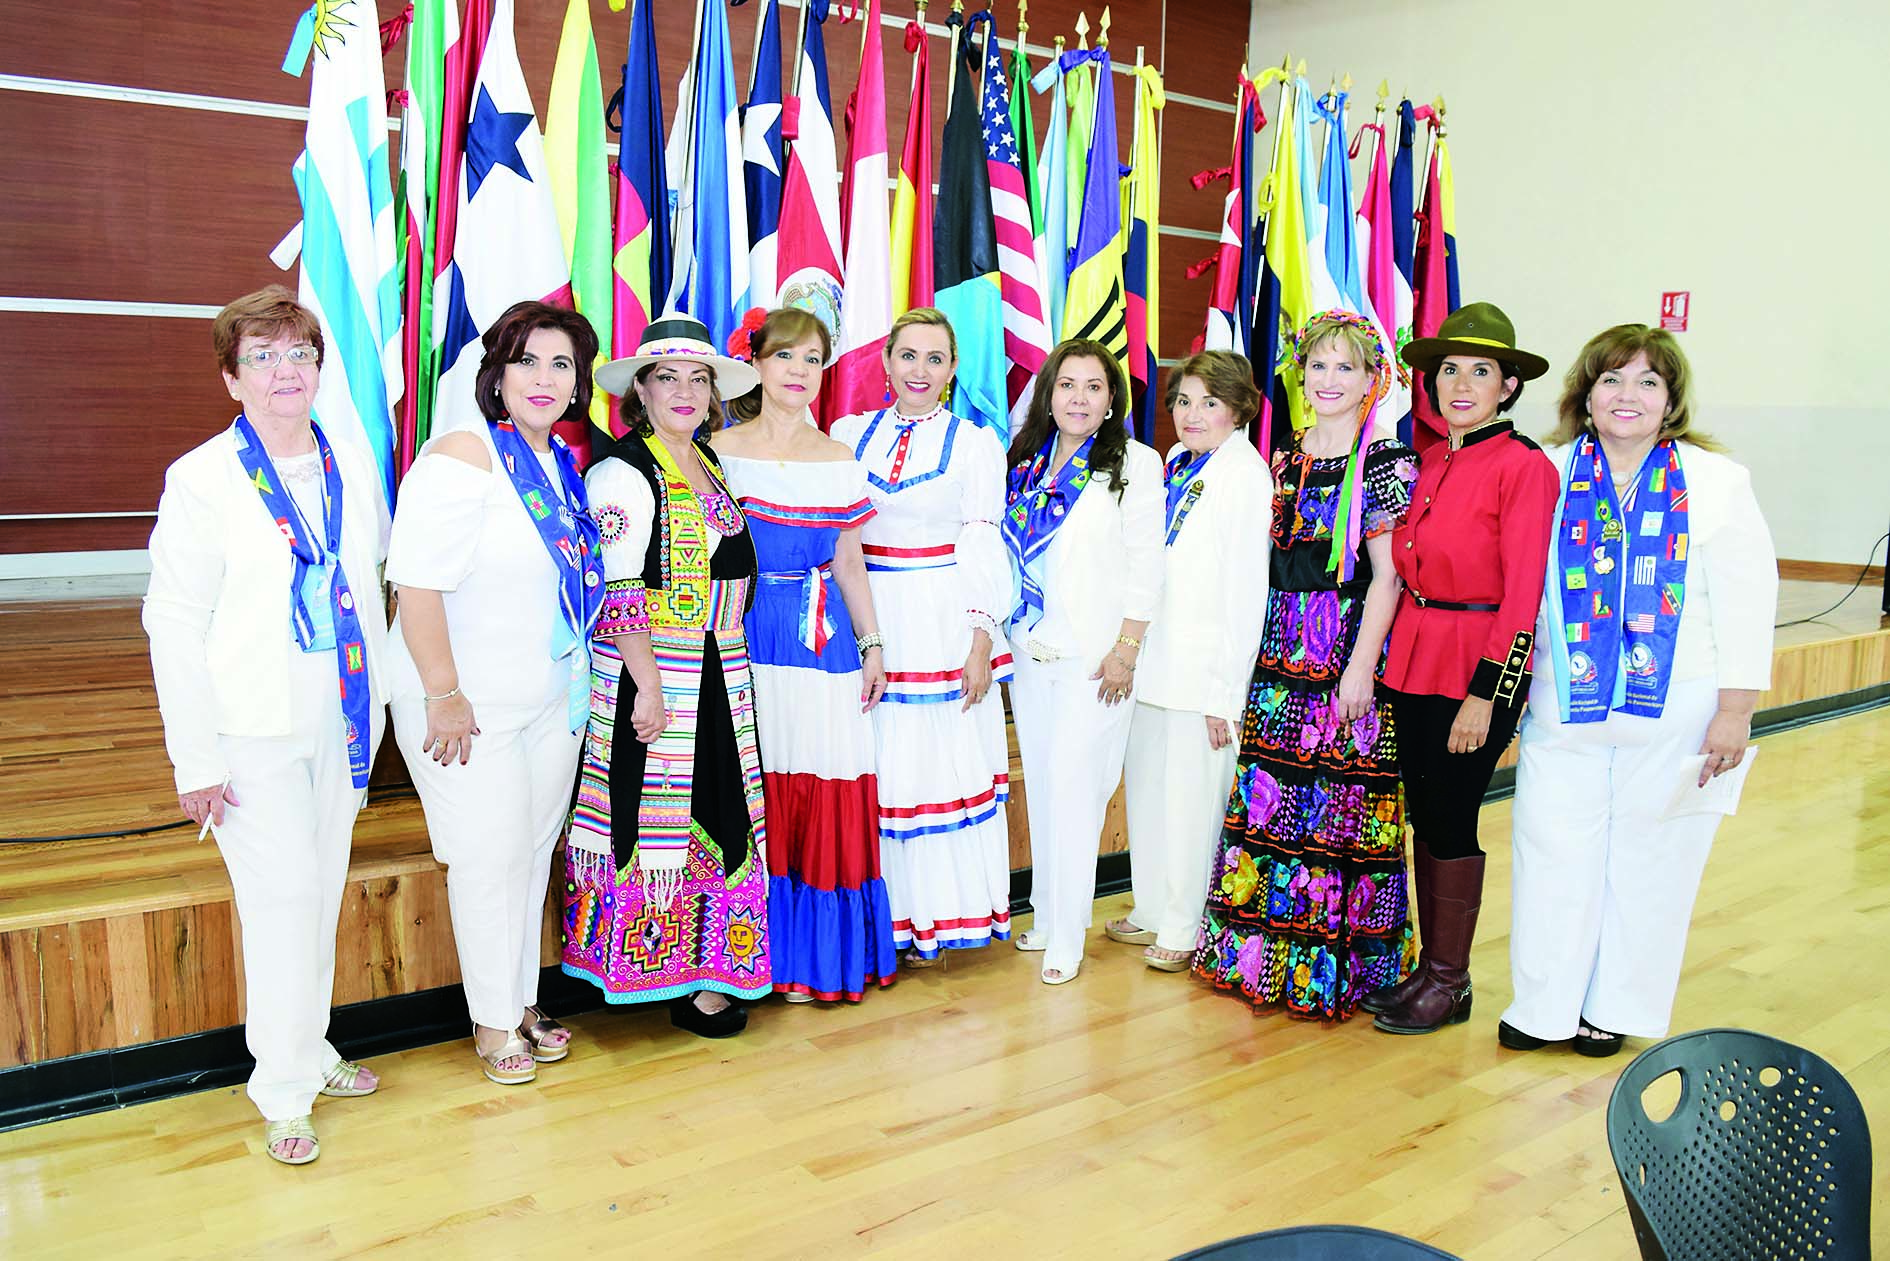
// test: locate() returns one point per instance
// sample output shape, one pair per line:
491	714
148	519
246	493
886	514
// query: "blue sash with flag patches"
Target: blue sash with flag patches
309	551
572	540
1037	507
1619	571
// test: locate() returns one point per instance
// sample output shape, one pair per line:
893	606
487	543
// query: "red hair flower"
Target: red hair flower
741	342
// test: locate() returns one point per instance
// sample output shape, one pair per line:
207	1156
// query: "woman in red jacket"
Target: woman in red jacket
1471	556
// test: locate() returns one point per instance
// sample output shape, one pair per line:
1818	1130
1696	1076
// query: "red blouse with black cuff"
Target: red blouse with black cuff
1477	534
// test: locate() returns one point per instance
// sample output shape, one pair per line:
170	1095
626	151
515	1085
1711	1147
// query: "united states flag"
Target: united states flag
1641	623
1026	336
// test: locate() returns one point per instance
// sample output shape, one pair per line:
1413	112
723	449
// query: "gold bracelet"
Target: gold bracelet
1129	642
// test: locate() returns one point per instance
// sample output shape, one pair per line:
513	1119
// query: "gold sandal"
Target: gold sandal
913	959
513	1048
277	1132
342	1081
539	1033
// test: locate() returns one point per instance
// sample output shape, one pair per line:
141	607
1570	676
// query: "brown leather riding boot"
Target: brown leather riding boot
1390	997
1443	995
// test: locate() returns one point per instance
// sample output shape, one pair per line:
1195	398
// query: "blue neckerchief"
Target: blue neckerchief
571	538
1036	508
907	424
1619	580
1181	485
309	551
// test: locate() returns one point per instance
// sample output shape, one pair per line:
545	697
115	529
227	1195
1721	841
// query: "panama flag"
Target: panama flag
1094	305
1026	332
858	380
808	259
1385	286
966	247
709	270
1053	237
507	248
761	157
350	270
580	186
640	262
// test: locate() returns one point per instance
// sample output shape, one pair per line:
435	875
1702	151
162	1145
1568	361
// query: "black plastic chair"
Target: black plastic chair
1767	1153
1319	1243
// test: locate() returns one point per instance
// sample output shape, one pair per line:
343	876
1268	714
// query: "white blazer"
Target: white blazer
217	609
1103	566
1732	576
1200	651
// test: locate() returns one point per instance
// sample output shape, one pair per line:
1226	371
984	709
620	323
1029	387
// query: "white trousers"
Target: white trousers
1602	888
495	823
286	846
1072	746
1176	799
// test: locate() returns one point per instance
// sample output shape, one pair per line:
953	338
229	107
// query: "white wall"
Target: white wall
1609	151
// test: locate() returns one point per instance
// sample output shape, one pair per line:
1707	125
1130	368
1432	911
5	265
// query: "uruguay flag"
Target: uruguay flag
761	158
710	276
351	273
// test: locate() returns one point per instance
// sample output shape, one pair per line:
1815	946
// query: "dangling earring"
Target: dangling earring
889	393
945	396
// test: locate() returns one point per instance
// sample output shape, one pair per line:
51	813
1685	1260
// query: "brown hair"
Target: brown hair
267	313
505	344
1612	349
928	317
1225	375
638	422
1112	437
784	329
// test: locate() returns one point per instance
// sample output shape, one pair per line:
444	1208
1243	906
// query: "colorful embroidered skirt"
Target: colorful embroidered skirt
713	932
1306	905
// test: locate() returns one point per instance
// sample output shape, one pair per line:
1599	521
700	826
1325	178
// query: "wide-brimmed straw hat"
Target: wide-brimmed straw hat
681	340
1480	329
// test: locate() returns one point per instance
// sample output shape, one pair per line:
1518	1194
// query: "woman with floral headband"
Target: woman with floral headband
1307	905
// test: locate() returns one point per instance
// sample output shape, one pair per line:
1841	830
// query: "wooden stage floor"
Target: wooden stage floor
1130	1114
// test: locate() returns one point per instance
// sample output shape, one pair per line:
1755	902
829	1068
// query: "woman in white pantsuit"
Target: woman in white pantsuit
1657	625
497	564
1083	526
1198	659
267	643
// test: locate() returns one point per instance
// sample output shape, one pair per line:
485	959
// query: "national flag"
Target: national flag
1286	243
1052	225
966	252
1447	188
1337	237
1010	171
642	246
857	382
709	268
507	246
1575	632
1081	90
912	266
1141	260
1641	624
464	50
762	154
435	26
1094	305
1433	288
1403	248
350	271
580	188
1385	286
1228	323
1672	598
808	259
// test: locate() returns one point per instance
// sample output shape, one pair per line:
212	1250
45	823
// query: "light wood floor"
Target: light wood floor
975	1111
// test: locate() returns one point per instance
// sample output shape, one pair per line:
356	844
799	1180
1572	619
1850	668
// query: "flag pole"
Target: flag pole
951	61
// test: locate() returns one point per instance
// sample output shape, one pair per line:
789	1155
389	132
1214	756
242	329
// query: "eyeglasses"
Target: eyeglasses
301	356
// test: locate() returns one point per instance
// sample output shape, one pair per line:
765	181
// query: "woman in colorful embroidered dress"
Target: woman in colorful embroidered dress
813	643
1195	666
940	580
667	891
268	645
495	557
1470	555
1084	530
1656	625
1308	909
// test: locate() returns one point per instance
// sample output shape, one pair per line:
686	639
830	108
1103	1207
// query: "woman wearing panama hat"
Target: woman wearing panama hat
667	889
1471	556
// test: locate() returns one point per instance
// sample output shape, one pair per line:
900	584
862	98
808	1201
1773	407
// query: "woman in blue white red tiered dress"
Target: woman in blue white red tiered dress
813	644
940	580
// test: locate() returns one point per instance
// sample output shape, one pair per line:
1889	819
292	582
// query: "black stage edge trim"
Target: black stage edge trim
116	1078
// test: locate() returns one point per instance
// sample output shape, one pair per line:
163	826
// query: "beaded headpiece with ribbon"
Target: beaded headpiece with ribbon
1345	541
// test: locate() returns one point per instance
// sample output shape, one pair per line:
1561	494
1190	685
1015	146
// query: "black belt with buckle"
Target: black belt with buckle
1452	606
